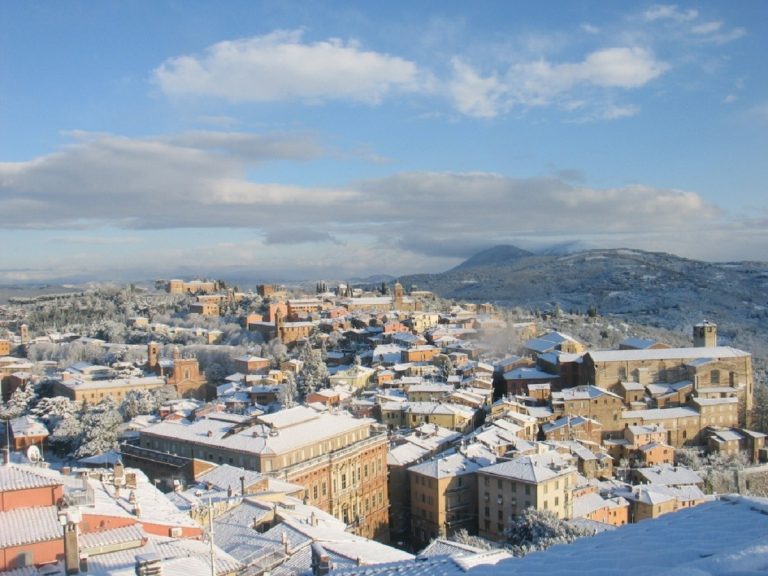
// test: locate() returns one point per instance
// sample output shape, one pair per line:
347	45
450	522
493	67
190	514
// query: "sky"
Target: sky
341	139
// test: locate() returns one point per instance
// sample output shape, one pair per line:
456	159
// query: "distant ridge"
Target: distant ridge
498	255
652	288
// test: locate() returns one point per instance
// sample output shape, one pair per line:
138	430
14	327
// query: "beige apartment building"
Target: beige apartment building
341	461
540	481
443	497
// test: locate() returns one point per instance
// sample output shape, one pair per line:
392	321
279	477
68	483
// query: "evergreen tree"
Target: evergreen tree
101	427
314	372
138	402
538	530
22	399
67	434
53	410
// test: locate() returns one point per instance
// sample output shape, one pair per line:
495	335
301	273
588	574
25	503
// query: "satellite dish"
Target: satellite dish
33	454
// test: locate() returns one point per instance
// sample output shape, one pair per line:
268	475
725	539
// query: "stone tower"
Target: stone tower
398	296
24	333
153	356
705	335
279	325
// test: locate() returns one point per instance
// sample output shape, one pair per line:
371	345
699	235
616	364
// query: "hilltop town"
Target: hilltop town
215	430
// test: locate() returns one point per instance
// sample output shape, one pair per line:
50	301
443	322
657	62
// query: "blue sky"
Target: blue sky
308	139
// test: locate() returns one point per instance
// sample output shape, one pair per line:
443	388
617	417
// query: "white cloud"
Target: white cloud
542	83
590	28
281	66
669	12
474	95
724	37
671	22
616	67
707	27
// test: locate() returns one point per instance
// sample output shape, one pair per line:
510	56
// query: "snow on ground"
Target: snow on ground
725	537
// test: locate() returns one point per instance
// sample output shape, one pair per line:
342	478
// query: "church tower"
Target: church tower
398	296
153	356
279	325
705	335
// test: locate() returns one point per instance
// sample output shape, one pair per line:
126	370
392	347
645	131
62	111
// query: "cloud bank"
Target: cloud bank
201	181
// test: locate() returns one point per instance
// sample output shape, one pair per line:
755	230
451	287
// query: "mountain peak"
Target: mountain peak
498	255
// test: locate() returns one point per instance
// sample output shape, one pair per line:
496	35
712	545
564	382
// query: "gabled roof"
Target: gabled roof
668	475
583	393
18	478
532	469
225	476
29	525
447	466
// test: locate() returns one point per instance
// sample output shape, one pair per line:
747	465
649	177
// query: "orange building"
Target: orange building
28	499
340	460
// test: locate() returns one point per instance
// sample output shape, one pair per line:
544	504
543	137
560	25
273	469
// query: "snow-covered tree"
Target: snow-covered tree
538	530
52	410
163	394
287	394
314	372
461	536
101	427
112	331
445	365
67	433
138	402
22	399
277	351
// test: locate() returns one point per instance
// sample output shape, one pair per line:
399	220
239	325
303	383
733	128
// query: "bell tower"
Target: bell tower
398	296
153	356
705	335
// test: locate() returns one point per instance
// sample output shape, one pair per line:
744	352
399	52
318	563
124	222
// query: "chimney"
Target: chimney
6	457
242	485
84	564
284	541
149	564
119	470
321	562
71	544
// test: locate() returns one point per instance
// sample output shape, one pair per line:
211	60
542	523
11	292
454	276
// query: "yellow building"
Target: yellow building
540	481
412	414
443	497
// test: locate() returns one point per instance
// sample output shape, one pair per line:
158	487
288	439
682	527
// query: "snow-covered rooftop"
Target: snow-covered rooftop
667	354
532	469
